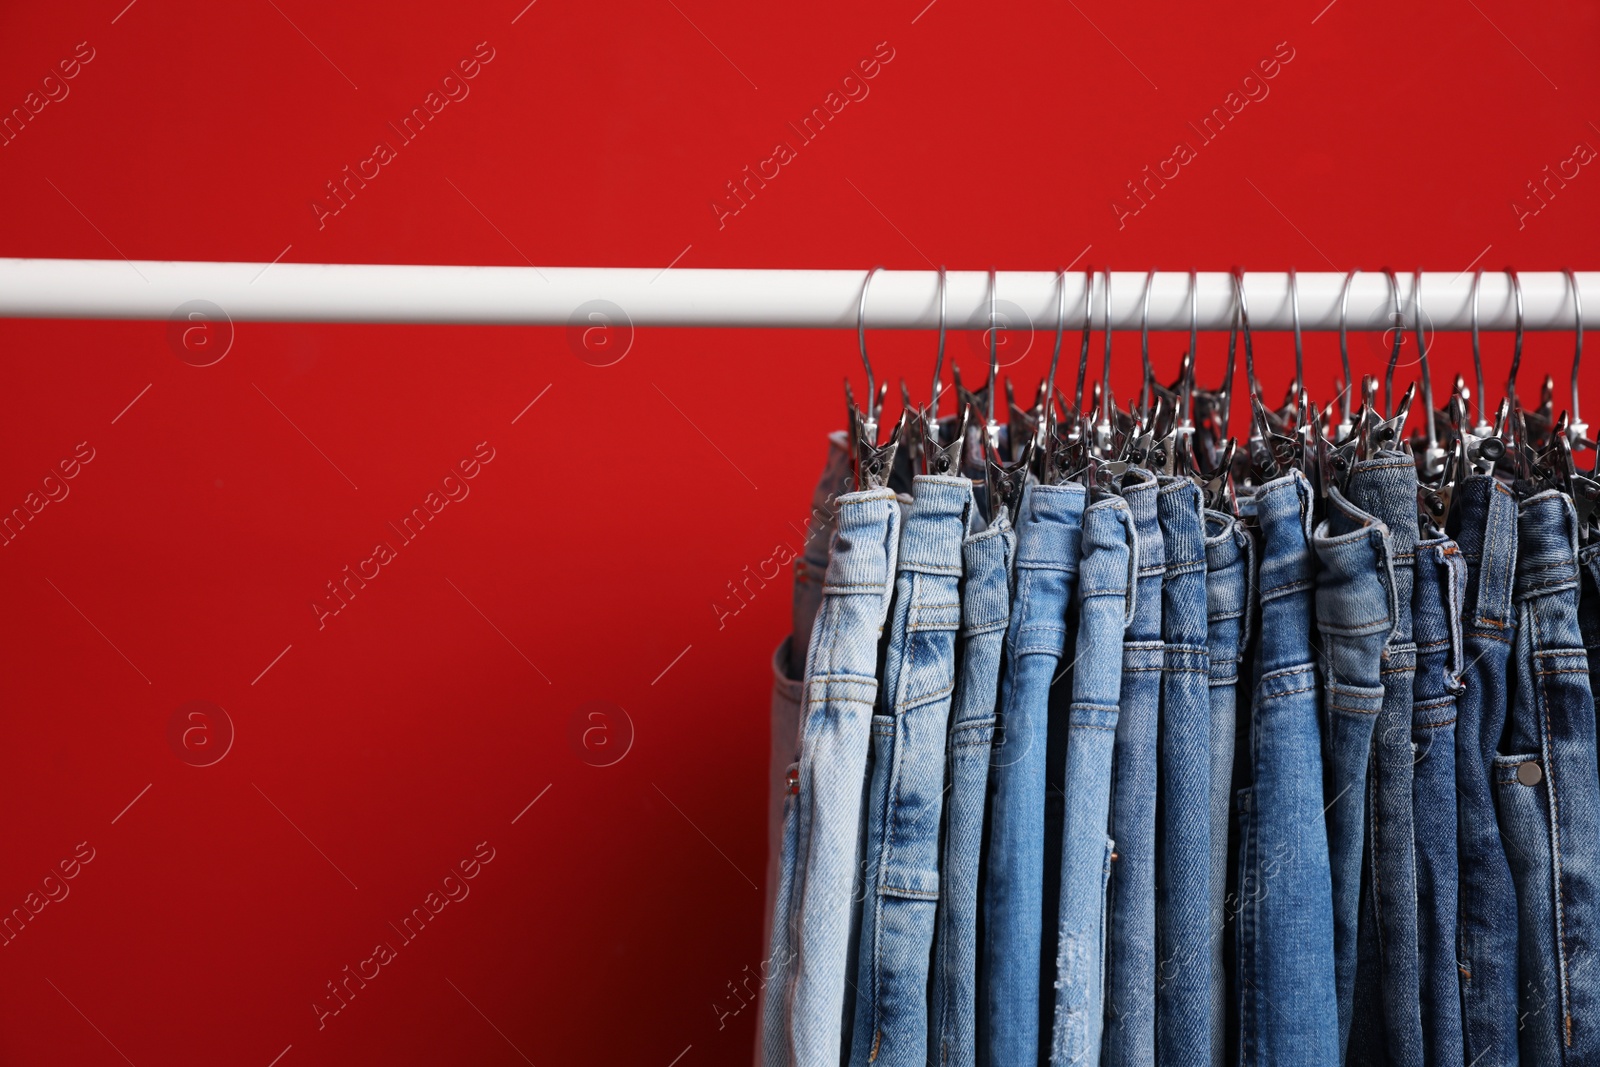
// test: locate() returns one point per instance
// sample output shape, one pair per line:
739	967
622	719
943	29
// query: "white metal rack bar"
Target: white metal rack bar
827	299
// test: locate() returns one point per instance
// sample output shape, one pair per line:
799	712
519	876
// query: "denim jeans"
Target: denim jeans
985	611
1105	591
1049	525
1184	935
1130	954
1552	732
810	939
1355	615
1288	1006
905	796
1230	578
1387	1013
1436	624
1485	526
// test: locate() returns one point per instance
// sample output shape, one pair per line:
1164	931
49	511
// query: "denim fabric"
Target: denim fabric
1485	526
805	1026
1520	792
1355	615
1288	1003
905	798
1230	554
1105	589
1183	827
985	611
1130	1039
1436	624
1049	524
1552	714
1387	1013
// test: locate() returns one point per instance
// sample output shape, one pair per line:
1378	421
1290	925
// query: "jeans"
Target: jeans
1184	932
1552	733
804	1026
1485	526
1130	954
1436	624
788	674
1387	1013
1105	591
985	611
1288	1007
1049	524
1355	615
1230	577
905	797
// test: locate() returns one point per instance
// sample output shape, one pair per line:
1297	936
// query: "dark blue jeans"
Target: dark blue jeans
1355	616
1130	955
1387	1013
1184	932
1288	1008
1551	740
1485	526
1436	624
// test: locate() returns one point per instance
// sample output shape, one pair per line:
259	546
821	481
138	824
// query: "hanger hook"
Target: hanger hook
1399	336
861	337
1194	343
1516	351
1233	340
1578	430
1105	373
1244	322
938	363
1083	352
1422	359
1146	387
1061	328
1477	353
1299	354
1344	341
994	343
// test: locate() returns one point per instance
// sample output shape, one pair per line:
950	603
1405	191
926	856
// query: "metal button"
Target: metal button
1530	773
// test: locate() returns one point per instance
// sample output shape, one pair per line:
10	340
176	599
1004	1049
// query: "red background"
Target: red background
427	715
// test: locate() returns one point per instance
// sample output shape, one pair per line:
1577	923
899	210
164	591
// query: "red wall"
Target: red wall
375	749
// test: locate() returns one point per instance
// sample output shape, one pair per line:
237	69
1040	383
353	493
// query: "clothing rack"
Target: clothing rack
825	299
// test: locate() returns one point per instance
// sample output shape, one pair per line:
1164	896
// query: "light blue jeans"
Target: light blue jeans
905	798
1184	930
804	1024
1049	524
1130	1039
1105	591
985	610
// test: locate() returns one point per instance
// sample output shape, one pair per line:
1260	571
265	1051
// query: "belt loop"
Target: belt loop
1130	597
1247	553
1456	588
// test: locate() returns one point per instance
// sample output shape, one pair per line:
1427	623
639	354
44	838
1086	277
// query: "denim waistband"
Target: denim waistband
1049	522
930	540
1150	559
986	596
869	518
1229	545
1283	508
1356	587
1386	488
1182	521
1108	565
1547	545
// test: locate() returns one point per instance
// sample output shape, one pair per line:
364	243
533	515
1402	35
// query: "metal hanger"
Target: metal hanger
1347	388
871	463
1066	441
1005	481
938	458
1147	385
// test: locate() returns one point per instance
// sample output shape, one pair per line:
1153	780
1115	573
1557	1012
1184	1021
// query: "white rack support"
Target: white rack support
825	299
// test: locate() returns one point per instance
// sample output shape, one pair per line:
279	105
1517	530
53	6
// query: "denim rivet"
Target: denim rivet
1530	773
